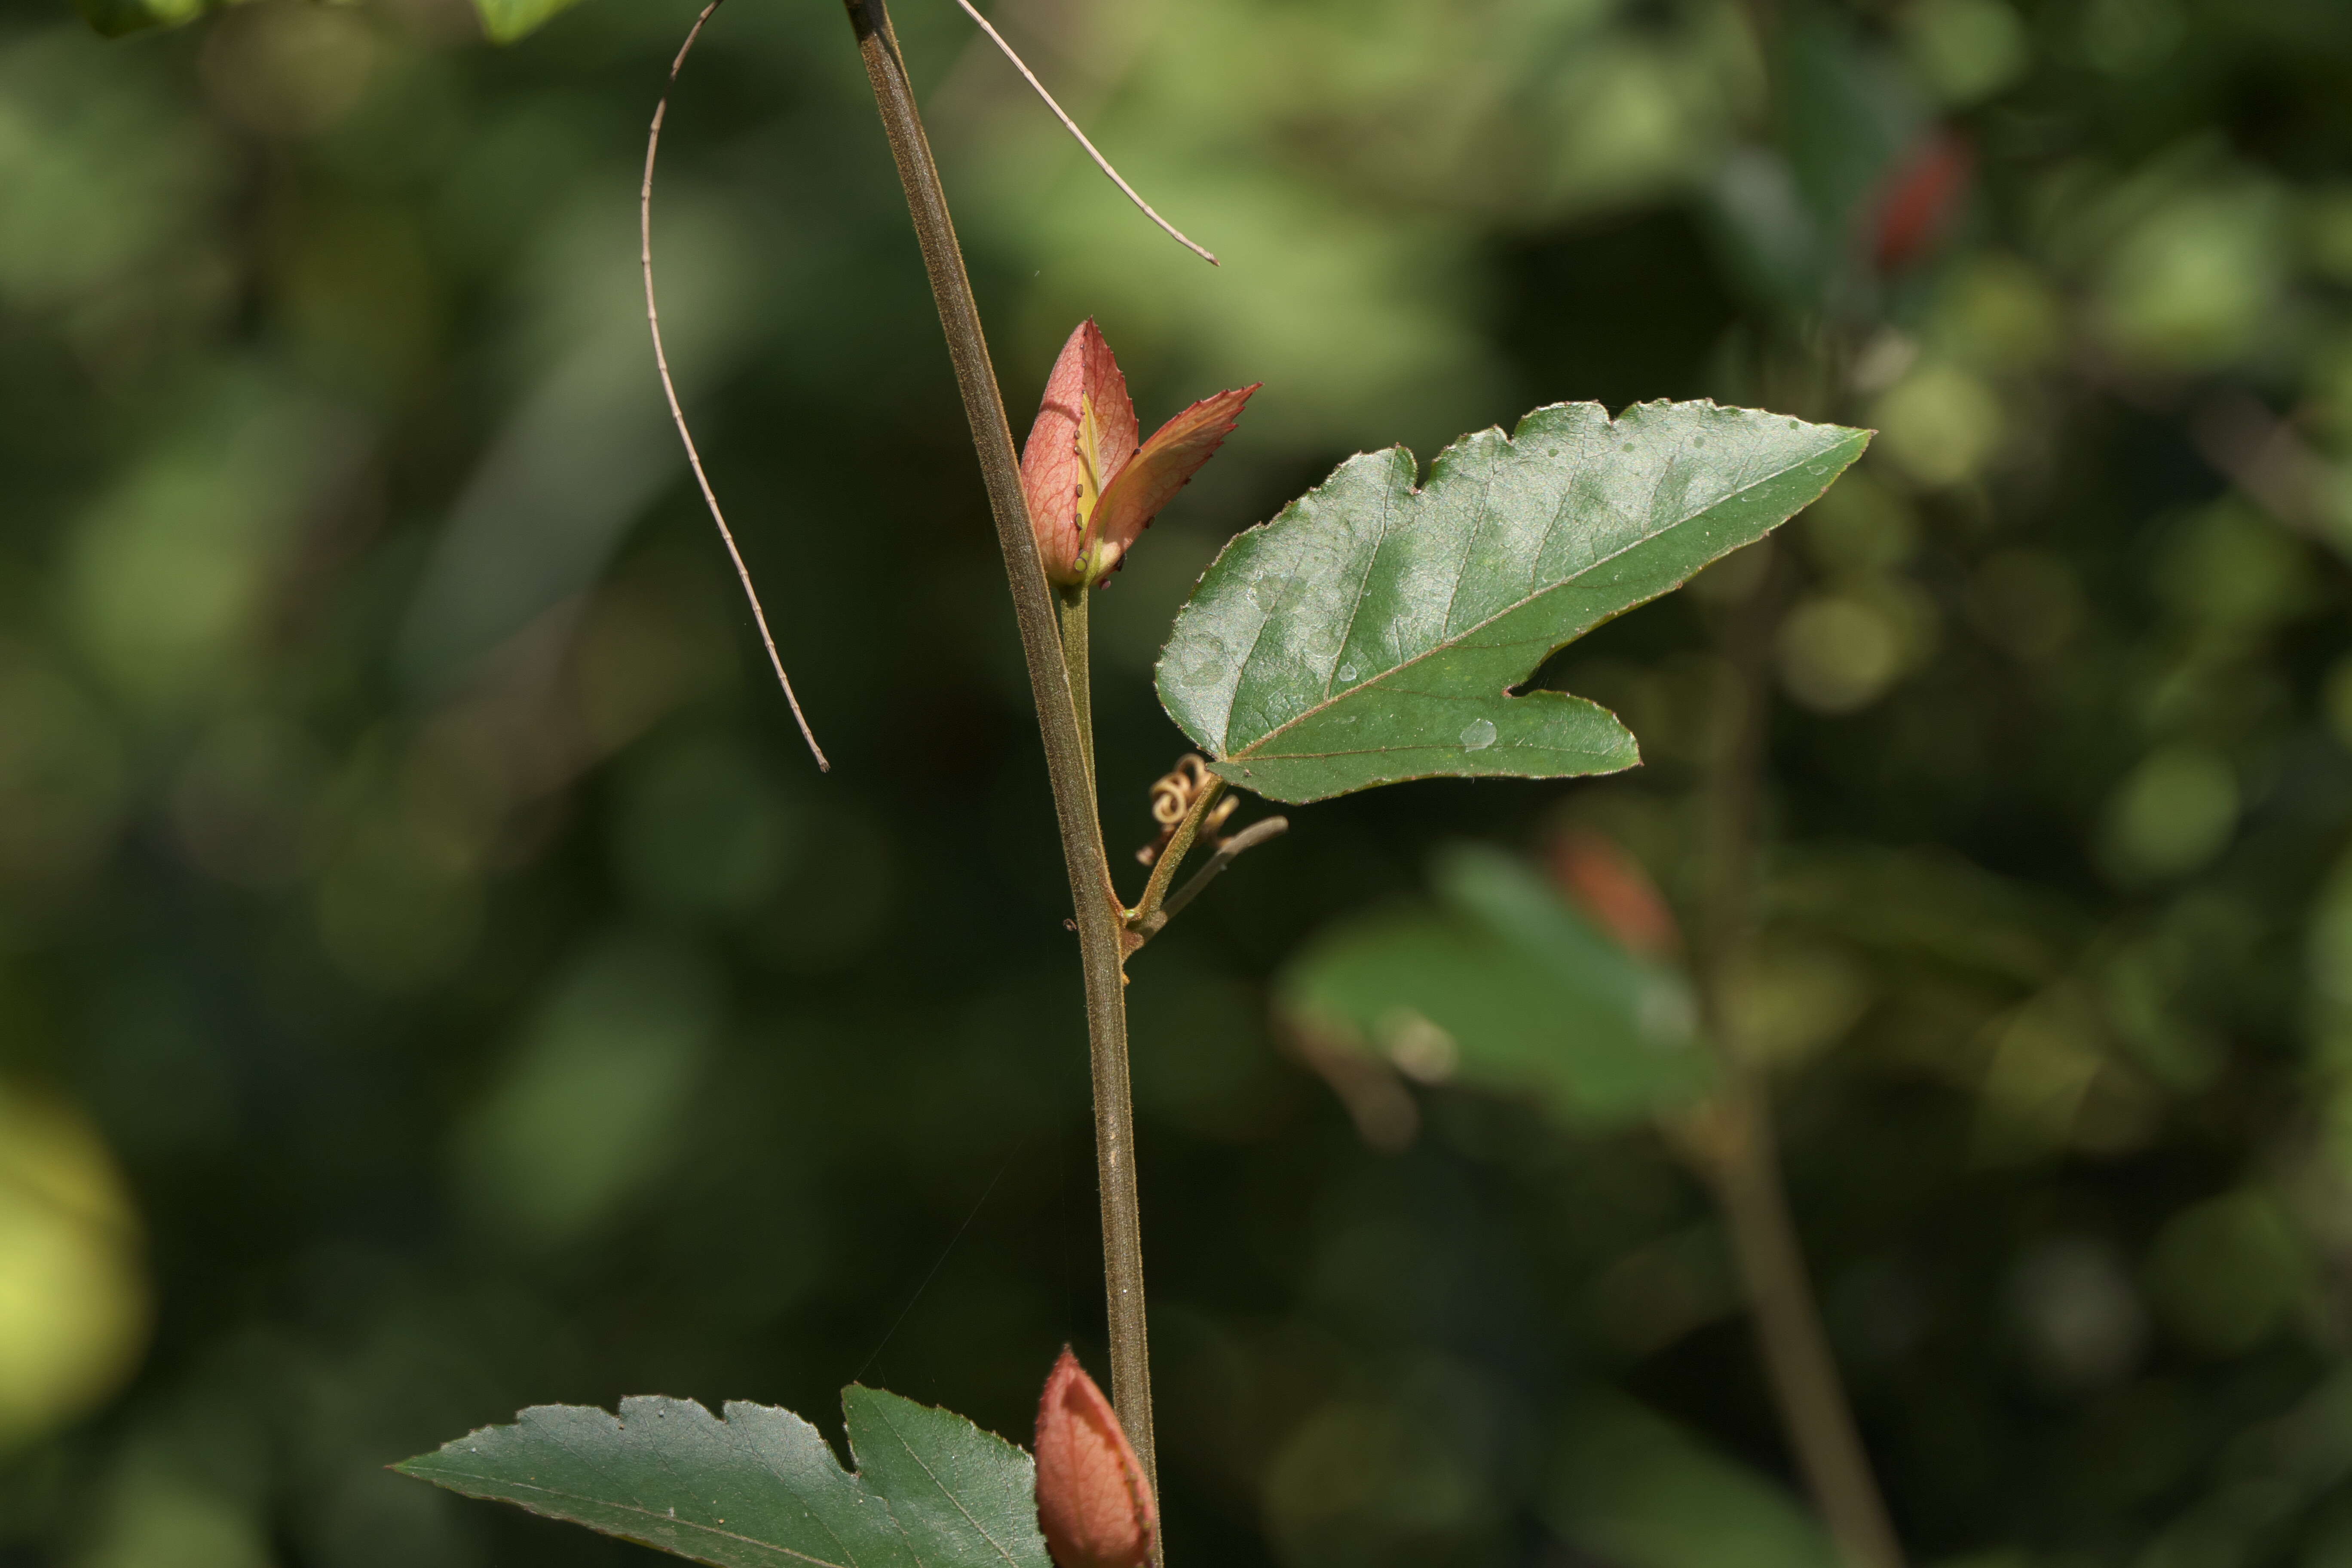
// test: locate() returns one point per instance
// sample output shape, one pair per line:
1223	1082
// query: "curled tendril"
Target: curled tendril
1171	800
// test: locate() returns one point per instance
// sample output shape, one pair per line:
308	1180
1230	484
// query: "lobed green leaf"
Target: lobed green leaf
761	1488
1374	632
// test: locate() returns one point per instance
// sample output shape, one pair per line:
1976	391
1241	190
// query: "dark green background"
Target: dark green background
411	890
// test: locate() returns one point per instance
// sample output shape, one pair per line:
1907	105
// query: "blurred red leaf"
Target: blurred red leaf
1614	892
1918	202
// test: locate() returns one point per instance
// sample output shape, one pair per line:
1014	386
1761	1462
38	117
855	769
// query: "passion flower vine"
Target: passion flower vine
1386	625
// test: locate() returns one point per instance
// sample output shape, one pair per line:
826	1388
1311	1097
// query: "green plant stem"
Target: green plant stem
1070	613
1066	761
1733	1137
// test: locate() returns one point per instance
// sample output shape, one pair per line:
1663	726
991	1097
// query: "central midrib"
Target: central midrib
671	1519
1418	745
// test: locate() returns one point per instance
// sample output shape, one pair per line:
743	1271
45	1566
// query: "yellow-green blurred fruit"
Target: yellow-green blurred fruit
74	1299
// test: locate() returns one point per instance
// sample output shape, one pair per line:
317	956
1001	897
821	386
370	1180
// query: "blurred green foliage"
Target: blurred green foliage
432	980
1504	988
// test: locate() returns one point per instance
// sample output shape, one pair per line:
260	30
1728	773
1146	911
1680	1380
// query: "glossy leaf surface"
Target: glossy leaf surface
1505	988
1372	632
761	1488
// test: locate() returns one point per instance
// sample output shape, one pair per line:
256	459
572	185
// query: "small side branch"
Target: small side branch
669	390
1737	1157
1072	127
1230	850
1168	857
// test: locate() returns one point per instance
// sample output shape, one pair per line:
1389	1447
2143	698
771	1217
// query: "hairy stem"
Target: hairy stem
1070	610
1732	1139
1066	762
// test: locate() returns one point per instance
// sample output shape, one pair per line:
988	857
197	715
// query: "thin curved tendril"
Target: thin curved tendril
1072	127
669	390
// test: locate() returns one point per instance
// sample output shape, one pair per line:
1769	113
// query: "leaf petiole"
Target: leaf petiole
1230	850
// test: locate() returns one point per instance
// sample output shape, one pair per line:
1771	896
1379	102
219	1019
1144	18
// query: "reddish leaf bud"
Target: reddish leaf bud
1091	489
1614	893
1093	1502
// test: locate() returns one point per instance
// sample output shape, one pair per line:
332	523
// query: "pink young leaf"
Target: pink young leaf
1160	468
1093	1502
1917	203
1085	430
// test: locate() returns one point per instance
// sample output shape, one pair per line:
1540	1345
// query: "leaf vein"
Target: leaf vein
1469	548
1002	1550
743	1445
666	1518
1371	564
1254	747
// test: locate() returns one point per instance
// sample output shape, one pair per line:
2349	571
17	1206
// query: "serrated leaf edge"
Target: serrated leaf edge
409	1467
412	1466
